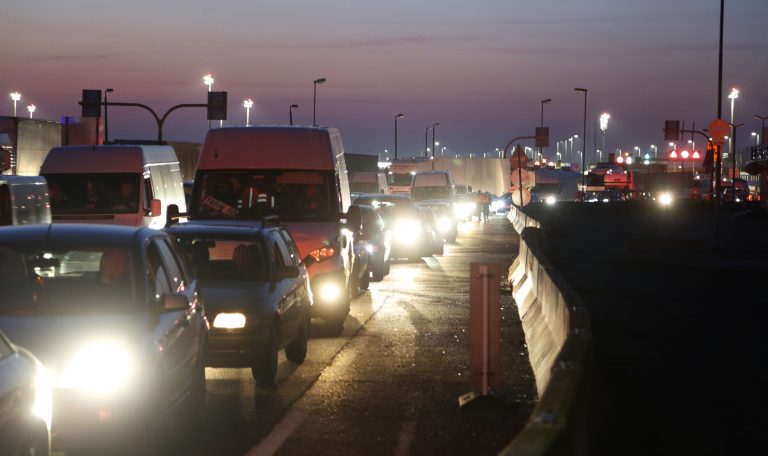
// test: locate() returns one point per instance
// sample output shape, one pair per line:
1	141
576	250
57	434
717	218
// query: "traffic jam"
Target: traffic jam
119	290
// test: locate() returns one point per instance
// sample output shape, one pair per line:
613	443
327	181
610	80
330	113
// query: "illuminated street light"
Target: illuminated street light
16	97
248	104
655	151
208	80
31	108
290	113
314	98
733	96
604	125
757	137
639	152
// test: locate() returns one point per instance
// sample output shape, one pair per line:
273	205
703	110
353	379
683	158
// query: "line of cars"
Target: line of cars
125	318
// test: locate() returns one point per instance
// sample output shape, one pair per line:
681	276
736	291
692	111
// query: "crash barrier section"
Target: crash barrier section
558	335
520	219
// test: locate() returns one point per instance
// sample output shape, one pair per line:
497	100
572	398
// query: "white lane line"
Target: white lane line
279	434
406	437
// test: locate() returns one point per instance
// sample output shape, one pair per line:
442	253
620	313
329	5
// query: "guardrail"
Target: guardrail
559	337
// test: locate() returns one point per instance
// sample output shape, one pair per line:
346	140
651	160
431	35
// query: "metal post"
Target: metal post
426	138
433	137
583	153
106	117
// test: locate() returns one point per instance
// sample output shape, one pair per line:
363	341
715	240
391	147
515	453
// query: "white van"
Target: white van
368	182
113	184
298	174
435	190
23	200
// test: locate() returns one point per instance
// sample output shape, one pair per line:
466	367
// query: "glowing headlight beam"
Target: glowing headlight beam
101	368
229	321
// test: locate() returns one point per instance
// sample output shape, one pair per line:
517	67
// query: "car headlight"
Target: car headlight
550	200
406	230
42	407
443	224
229	321
665	199
99	369
330	292
496	205
370	248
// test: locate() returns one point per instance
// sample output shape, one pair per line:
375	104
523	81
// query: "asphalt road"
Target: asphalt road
390	383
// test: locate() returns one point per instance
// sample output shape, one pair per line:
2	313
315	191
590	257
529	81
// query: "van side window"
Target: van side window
148	194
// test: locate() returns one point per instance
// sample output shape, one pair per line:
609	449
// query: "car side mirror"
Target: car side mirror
174	302
172	214
308	260
287	272
155	208
354	219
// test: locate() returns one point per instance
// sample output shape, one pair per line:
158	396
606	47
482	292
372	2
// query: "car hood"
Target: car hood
310	236
54	339
228	295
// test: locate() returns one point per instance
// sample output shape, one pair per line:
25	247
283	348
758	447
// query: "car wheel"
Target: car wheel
296	351
265	367
377	274
334	325
365	280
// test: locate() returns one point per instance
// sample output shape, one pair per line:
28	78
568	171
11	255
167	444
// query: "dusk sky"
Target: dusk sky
479	68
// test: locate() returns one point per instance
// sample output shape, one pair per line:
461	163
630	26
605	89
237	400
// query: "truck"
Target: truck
401	173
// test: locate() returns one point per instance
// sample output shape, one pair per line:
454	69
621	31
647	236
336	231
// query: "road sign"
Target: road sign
518	158
524	175
672	130
542	136
516	196
91	103
719	128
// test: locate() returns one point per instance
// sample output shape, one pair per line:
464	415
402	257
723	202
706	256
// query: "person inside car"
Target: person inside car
245	261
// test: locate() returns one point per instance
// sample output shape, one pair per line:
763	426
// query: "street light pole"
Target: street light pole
732	96
31	108
604	125
290	113
426	139
208	80
248	104
398	116
15	96
733	153
106	115
583	155
543	102
655	151
314	99
433	137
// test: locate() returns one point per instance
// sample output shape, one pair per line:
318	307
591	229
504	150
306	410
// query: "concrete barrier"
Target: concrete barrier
558	334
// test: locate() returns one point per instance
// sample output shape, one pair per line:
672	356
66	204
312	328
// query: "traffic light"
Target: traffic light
217	105
91	103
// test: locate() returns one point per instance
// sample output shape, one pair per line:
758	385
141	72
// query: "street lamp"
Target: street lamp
655	151
314	98
208	80
31	108
433	137
733	96
543	102
757	137
604	125
583	155
248	104
426	139
733	152
290	113
397	116
639	152
15	96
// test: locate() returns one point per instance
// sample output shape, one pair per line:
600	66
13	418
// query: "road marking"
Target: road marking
279	434
406	437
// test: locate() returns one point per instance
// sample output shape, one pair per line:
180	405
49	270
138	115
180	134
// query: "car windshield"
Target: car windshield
83	279
217	258
114	193
252	194
431	193
30	203
400	179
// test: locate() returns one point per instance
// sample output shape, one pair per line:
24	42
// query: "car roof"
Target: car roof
220	227
76	234
382	197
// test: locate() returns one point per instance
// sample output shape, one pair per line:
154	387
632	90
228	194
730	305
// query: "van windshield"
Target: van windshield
113	193
431	193
252	194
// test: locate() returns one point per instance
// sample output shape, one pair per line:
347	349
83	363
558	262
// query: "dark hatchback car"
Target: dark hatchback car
114	313
25	402
256	291
377	242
